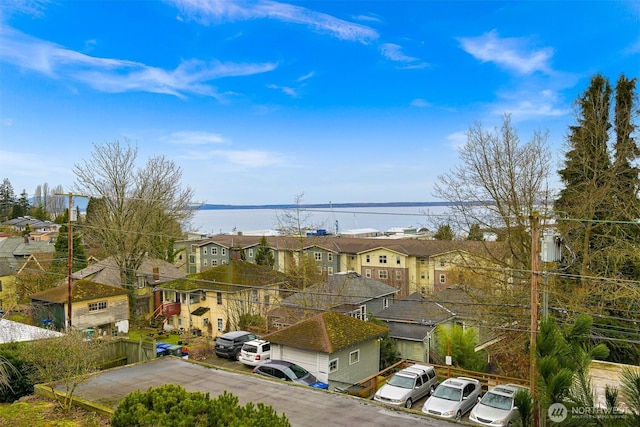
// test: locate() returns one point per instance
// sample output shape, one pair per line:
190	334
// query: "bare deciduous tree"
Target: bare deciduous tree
134	207
498	184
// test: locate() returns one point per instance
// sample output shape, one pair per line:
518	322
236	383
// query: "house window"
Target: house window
367	273
421	260
385	302
250	253
360	313
354	357
443	278
382	259
422	275
330	271
214	251
329	257
382	274
333	365
224	261
267	299
368	258
205	322
219	298
224	251
214	262
398	275
192	259
193	248
317	256
205	262
95	306
204	251
398	260
254	295
220	324
442	263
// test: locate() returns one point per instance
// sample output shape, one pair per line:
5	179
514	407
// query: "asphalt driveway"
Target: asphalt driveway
304	406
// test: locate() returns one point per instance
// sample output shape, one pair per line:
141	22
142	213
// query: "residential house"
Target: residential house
218	299
30	224
338	349
408	264
347	293
16	253
103	309
151	273
413	320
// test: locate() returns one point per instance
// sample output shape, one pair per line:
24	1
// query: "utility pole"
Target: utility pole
70	263
70	256
533	345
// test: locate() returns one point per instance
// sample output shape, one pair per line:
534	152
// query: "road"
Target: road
303	406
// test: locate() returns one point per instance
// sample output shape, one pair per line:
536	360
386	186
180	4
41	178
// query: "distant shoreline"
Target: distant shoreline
206	207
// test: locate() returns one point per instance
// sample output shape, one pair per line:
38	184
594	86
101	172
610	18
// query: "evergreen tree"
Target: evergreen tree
7	199
444	233
21	207
171	405
586	178
264	254
475	233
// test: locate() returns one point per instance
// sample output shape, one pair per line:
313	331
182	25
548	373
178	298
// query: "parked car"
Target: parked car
228	345
408	385
453	398
497	406
255	351
288	371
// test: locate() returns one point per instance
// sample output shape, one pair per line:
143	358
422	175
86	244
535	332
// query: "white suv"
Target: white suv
255	351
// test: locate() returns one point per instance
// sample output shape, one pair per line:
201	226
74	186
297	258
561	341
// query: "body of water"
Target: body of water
214	221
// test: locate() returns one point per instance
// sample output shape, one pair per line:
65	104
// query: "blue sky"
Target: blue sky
259	101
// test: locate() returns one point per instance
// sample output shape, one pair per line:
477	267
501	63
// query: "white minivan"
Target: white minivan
255	352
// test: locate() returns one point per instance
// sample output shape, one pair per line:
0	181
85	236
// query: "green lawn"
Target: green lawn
145	334
34	411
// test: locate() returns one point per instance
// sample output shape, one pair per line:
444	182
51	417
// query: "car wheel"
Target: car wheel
458	416
408	403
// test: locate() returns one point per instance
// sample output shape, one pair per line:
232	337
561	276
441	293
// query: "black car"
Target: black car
229	344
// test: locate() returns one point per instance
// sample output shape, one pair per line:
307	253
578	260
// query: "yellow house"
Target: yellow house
219	299
103	309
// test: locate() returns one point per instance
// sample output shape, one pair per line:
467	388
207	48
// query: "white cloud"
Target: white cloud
527	103
284	89
457	139
393	52
306	77
194	138
511	53
240	10
240	158
420	103
116	75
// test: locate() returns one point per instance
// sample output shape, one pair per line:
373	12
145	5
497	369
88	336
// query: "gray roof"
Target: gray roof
14	251
106	272
408	331
416	308
340	290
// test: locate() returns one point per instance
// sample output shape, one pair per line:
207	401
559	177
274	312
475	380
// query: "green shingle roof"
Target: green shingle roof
82	290
327	333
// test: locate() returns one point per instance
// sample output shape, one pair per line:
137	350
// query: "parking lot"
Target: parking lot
303	406
232	364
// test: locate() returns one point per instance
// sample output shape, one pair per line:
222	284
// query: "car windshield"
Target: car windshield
448	393
401	381
298	372
497	401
